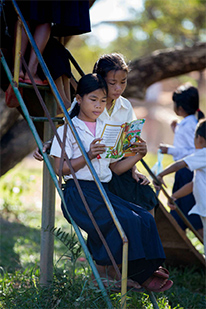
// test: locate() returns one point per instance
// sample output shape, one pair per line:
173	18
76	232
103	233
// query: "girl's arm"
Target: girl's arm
174	167
185	190
78	163
122	166
136	175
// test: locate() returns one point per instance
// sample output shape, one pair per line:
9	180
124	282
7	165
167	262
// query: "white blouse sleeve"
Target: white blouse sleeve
197	160
56	149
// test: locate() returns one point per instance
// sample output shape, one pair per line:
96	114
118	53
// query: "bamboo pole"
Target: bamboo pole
48	207
17	52
50	168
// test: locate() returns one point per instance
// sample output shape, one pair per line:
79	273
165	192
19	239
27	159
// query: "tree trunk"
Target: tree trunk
163	64
17	140
16	144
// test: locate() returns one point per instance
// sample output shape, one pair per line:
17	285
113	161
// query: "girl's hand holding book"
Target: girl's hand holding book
139	146
96	148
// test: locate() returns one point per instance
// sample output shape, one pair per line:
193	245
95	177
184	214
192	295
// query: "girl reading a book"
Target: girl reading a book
145	249
131	185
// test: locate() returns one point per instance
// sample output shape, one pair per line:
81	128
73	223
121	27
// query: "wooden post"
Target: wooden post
17	52
48	207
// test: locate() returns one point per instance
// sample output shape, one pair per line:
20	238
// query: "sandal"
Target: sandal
158	285
161	273
155	284
165	287
36	81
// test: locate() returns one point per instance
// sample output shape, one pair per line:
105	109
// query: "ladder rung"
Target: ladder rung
45	119
30	86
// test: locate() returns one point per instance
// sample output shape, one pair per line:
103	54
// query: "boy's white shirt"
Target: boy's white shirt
183	144
197	162
122	112
72	150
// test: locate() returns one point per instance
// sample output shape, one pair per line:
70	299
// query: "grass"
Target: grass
20	191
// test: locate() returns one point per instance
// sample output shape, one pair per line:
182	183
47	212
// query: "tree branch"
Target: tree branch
163	64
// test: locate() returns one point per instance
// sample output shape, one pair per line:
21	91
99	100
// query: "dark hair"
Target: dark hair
187	97
110	62
88	83
201	128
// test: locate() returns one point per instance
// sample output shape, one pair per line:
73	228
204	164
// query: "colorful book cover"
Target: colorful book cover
119	137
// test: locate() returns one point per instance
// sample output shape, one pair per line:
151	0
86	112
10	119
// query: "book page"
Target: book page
119	138
111	134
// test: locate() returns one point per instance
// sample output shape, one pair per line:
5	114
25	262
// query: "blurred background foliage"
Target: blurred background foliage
158	25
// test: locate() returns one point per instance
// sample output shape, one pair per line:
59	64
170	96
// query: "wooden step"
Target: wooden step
178	248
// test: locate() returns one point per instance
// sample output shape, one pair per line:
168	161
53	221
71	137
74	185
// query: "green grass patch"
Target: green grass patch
20	203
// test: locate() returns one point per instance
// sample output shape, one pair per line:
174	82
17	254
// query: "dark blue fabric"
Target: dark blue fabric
57	60
68	17
138	224
185	203
126	187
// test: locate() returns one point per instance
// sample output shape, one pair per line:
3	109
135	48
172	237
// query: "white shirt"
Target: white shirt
197	163
72	150
122	112
183	144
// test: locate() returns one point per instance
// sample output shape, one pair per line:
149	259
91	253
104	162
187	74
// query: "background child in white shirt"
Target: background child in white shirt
145	249
186	105
195	162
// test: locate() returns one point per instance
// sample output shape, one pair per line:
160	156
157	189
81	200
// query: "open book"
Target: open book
118	138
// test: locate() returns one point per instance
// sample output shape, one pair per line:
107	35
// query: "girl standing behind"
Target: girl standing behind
186	105
145	250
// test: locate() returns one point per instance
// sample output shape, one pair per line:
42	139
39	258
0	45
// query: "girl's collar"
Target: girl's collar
110	110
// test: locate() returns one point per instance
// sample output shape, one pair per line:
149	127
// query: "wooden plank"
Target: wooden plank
48	207
178	248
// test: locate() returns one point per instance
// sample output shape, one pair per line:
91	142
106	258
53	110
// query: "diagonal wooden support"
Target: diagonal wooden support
178	210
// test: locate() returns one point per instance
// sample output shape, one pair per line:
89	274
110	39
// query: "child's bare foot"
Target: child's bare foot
37	80
21	76
110	278
67	104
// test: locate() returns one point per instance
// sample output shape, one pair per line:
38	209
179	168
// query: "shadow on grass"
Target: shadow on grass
18	241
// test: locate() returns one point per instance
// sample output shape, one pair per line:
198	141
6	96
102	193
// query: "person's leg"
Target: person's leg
144	272
41	37
60	86
24	43
126	187
66	82
152	212
204	233
110	277
200	231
